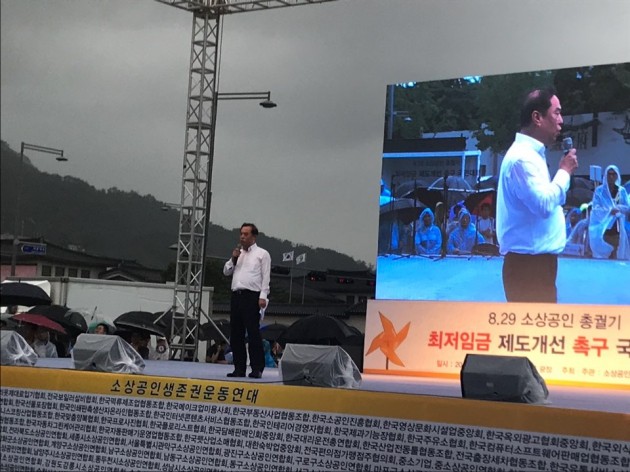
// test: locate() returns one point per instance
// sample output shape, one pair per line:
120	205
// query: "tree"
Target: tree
498	102
432	107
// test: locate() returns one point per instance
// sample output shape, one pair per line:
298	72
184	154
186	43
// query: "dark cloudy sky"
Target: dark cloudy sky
106	80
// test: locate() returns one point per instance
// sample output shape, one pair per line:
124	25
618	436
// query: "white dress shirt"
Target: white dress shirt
530	219
252	270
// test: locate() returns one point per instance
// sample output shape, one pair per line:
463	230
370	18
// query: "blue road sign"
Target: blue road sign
34	249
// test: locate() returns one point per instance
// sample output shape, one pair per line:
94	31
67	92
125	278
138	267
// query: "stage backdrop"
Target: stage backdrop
568	344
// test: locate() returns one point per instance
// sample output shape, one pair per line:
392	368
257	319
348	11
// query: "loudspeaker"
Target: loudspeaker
321	366
502	378
14	350
106	353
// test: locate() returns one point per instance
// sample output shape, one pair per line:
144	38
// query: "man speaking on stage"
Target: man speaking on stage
530	221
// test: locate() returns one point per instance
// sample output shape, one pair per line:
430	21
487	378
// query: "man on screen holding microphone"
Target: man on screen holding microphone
250	268
530	219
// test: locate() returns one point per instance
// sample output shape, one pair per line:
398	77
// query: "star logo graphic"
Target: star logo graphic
389	340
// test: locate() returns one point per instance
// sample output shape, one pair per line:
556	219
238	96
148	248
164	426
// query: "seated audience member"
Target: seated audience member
453	220
38	338
464	236
440	222
63	343
485	224
276	351
140	342
161	351
101	328
573	217
405	235
269	360
608	235
577	241
428	238
216	353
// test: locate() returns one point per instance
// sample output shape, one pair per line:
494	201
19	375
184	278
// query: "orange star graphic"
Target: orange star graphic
389	340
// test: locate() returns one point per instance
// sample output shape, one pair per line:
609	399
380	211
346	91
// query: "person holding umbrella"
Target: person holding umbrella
250	268
36	329
38	337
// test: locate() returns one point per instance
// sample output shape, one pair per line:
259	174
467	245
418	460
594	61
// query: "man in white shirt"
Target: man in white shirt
250	268
530	220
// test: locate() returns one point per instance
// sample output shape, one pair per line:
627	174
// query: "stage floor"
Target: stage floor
590	399
478	278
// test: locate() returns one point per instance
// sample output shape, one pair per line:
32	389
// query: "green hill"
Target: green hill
115	223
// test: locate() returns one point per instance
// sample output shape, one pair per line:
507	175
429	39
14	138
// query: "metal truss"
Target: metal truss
224	7
187	312
187	309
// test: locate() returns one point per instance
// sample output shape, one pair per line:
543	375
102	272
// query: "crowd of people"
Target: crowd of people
436	233
48	343
599	229
250	270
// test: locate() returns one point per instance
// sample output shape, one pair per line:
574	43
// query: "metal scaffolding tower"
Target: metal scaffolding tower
187	311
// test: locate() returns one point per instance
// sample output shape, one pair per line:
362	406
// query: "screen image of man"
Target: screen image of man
530	219
250	268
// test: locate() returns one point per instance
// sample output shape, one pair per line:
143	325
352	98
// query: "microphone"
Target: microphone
567	145
238	247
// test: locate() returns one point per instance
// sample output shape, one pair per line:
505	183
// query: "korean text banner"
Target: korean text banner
574	344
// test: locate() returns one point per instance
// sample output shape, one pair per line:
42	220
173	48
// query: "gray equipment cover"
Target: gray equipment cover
502	378
105	353
321	366
14	350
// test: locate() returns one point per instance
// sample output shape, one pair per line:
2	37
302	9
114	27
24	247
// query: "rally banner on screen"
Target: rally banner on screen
571	344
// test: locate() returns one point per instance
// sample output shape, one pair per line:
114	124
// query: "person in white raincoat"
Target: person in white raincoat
608	232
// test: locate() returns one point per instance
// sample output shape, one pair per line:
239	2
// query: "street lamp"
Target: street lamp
391	113
170	206
195	215
264	96
27	147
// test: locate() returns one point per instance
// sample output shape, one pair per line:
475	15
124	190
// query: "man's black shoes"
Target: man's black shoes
255	374
236	373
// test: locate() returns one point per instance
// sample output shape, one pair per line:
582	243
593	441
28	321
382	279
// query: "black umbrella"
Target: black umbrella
39	320
402	209
409	188
72	321
272	332
578	195
474	201
19	293
430	198
457	189
488	182
144	321
581	182
317	329
208	332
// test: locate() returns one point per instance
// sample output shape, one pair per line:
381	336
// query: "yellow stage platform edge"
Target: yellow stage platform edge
457	411
437	375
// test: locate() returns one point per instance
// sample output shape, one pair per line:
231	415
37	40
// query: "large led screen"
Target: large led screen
444	142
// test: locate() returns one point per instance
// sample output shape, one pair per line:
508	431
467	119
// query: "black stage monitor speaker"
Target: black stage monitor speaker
321	366
106	353
502	378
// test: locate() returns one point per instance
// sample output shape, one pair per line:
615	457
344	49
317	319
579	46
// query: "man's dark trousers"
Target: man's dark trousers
245	318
